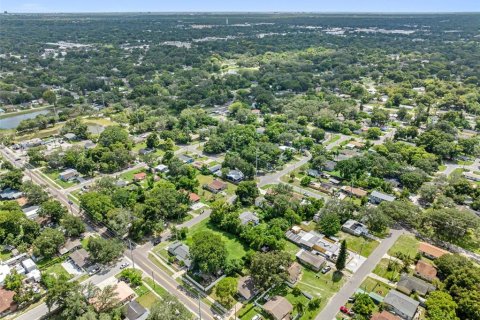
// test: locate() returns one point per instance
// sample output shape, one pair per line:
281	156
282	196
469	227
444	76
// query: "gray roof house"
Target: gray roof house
10	194
235	176
356	228
402	305
215	168
161	168
409	284
248	217
313	261
135	311
313	173
185	159
378	197
68	174
70	136
329	165
181	252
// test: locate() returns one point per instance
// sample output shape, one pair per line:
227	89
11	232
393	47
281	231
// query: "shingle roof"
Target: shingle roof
410	283
425	270
278	307
384	315
402	303
431	250
245	287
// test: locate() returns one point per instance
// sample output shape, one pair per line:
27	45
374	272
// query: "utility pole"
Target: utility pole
131	253
199	308
153	278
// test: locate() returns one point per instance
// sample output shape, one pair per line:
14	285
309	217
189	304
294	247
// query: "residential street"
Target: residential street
349	288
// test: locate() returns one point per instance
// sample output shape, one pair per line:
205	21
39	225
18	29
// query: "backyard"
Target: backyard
372	285
381	269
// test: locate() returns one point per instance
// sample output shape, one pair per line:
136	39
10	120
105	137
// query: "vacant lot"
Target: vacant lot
359	245
406	244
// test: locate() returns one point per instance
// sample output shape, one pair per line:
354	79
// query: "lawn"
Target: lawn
286	292
291	248
372	285
157	288
5	255
128	175
359	245
332	139
161	249
207	196
57	270
154	259
235	249
406	244
381	269
54	175
147	300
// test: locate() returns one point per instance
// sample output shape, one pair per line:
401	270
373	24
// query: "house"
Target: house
409	284
216	186
4	271
329	165
400	304
356	228
357	192
313	241
139	176
69	246
279	308
144	152
10	194
185	159
285	148
29	265
384	315
69	174
80	258
89	145
471	176
161	168
135	311
246	288
313	261
122	291
31	212
431	251
378	197
314	173
294	272
215	168
248	217
181	252
425	271
194	198
235	176
120	183
70	136
355	144
7	304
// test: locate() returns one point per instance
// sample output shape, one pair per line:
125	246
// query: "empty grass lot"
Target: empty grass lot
406	244
359	245
381	270
319	285
235	249
372	285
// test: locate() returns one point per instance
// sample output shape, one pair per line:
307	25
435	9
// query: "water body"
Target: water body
13	121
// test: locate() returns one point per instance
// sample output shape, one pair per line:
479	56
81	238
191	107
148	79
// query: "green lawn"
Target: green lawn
159	264
381	269
161	249
294	300
372	285
291	248
128	175
147	300
57	270
406	244
162	292
54	175
5	255
332	139
207	196
235	249
359	245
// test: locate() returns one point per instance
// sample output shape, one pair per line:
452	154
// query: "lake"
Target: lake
13	121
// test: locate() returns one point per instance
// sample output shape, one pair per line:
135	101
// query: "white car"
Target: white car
256	317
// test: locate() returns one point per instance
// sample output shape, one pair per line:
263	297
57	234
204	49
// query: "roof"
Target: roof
80	257
235	174
215	168
185	158
411	283
217	185
294	272
382	196
384	315
4	271
247	216
402	303
70	136
312	259
140	175
69	172
181	251
31	212
278	307
355	191
29	264
431	250
425	270
6	299
69	245
122	290
134	310
10	194
245	287
194	197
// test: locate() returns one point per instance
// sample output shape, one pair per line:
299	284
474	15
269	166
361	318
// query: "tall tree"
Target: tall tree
342	256
208	251
270	269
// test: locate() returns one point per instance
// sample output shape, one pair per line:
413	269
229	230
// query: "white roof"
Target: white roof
4	271
28	264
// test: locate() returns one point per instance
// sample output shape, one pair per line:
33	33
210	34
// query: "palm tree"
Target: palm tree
300	307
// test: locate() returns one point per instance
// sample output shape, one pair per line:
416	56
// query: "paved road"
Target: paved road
274	177
41	310
349	288
337	143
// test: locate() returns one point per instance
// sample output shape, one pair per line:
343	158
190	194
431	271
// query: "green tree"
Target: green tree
34	193
440	306
134	276
49	96
246	192
225	290
270	268
208	251
152	141
342	256
73	225
363	305
113	135
52	209
13	281
105	251
305	182
48	242
96	205
374	133
169	308
329	224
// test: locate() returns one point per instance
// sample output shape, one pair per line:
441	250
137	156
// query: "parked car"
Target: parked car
326	269
347	311
124	265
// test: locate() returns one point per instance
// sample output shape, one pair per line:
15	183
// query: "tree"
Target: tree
169	308
440	306
118	220
329	224
49	96
363	305
225	290
342	256
450	263
270	269
13	281
152	141
318	134
34	193
105	251
113	135
59	290
134	276
48	242
246	192
374	133
305	182
73	225
52	209
208	252
96	205
106	299
12	179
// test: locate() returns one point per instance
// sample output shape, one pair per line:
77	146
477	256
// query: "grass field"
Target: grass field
147	300
162	292
54	175
128	175
381	269
57	270
406	244
372	285
5	255
360	245
235	249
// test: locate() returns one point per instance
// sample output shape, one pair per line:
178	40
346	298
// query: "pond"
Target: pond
13	121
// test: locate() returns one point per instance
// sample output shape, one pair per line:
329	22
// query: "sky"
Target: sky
39	6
